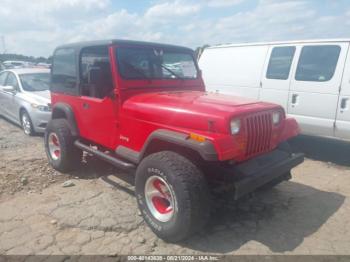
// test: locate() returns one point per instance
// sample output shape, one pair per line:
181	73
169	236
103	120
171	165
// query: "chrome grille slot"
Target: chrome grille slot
259	130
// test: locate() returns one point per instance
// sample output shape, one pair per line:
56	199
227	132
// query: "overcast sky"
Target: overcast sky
35	27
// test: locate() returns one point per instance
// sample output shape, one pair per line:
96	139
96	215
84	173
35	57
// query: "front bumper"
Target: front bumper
40	120
258	171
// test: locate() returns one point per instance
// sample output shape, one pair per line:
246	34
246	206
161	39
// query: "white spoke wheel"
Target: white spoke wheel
54	146
26	124
159	198
172	195
59	146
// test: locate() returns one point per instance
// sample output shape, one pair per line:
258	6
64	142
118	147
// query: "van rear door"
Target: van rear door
314	90
275	81
342	126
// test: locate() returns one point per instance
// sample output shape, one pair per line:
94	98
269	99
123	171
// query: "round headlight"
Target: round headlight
276	118
235	126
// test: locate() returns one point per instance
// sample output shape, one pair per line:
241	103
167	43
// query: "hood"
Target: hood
190	109
40	97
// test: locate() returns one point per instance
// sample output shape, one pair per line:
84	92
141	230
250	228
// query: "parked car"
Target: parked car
43	65
310	79
143	106
16	64
25	98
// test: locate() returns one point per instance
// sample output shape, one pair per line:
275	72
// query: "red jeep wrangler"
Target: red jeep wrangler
143	106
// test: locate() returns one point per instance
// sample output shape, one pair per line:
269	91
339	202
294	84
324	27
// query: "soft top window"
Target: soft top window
64	75
96	58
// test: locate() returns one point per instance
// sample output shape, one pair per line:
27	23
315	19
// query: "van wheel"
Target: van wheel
172	195
27	124
59	146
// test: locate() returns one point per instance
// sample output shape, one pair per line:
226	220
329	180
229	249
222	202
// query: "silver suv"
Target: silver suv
25	98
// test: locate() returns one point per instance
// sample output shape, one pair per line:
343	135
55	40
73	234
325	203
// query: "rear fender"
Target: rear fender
62	110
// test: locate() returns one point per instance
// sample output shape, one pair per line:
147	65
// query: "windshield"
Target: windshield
150	63
35	82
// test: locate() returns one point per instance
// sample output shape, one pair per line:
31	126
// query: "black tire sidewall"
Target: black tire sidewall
179	226
69	153
51	129
32	132
155	224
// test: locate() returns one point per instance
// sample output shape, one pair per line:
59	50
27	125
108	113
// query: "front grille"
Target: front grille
259	130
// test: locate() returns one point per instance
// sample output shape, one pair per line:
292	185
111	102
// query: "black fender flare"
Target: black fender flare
205	149
63	110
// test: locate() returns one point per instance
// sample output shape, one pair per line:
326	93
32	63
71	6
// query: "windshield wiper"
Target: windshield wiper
171	72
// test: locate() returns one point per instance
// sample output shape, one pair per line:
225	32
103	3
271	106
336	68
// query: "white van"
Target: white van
310	79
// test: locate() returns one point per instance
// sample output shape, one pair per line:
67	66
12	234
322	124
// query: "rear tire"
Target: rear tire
59	146
182	205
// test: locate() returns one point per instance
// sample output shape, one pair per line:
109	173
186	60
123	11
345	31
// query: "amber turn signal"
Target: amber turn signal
197	137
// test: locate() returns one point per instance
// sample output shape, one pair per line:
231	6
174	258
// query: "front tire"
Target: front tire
172	195
27	124
59	146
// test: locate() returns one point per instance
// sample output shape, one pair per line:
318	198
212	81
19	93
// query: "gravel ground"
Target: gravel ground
98	215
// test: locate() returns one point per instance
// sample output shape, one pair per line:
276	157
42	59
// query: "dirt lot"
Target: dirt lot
98	215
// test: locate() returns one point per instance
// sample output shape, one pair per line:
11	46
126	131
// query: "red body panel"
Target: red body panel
97	119
143	106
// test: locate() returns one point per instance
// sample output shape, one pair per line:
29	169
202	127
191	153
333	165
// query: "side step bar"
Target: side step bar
110	159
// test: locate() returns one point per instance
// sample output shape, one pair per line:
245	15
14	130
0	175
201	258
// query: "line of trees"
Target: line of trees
5	57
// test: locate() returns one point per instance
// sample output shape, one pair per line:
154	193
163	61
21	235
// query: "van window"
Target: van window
280	62
317	63
64	69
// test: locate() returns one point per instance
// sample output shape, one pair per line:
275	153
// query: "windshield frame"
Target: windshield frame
166	49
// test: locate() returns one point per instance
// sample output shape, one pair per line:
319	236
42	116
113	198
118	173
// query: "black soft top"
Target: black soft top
121	42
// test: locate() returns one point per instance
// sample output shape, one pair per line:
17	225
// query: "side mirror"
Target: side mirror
9	89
